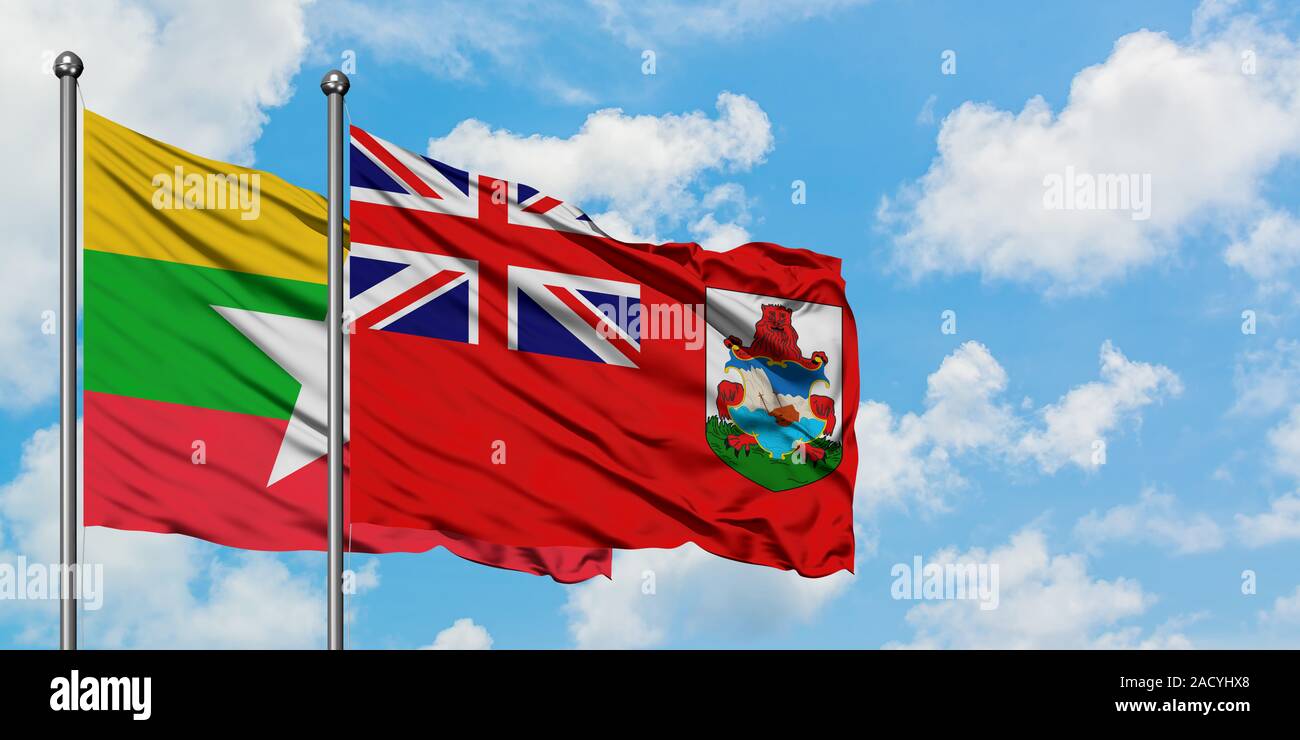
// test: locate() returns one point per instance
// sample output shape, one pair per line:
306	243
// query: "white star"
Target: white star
298	346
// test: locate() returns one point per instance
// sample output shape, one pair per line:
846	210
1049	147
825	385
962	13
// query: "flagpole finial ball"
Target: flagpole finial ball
68	64
333	82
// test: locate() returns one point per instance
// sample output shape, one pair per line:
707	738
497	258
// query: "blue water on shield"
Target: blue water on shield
787	379
773	437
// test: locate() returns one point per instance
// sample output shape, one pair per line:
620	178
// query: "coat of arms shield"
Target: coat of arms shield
774	385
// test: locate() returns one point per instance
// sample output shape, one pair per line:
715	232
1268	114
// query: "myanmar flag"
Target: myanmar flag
205	364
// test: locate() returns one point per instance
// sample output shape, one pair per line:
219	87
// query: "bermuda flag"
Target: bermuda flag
205	370
521	377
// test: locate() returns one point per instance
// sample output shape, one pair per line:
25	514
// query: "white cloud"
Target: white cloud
256	602
1267	381
1045	601
675	22
677	594
159	590
898	463
1285	611
566	92
1269	251
164	87
718	237
1211	14
961	412
643	168
729	201
1186	114
463	634
925	117
1090	412
472	39
442	37
1279	524
1284	439
910	458
1166	636
365	578
1155	519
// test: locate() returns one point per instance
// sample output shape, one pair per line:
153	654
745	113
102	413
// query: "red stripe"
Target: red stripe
140	475
421	290
399	169
595	320
543	205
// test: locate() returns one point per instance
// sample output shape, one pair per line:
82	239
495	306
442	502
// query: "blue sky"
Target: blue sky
976	446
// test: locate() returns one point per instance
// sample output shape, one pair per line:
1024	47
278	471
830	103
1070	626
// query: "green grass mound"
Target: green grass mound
778	475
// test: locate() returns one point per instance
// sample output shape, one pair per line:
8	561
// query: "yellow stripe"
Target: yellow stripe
145	198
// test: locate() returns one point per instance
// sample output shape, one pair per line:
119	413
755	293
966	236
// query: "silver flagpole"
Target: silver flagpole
335	85
67	67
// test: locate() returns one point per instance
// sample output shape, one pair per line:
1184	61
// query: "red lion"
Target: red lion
776	340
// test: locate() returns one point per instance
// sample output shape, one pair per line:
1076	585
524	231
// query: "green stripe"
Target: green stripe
151	332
